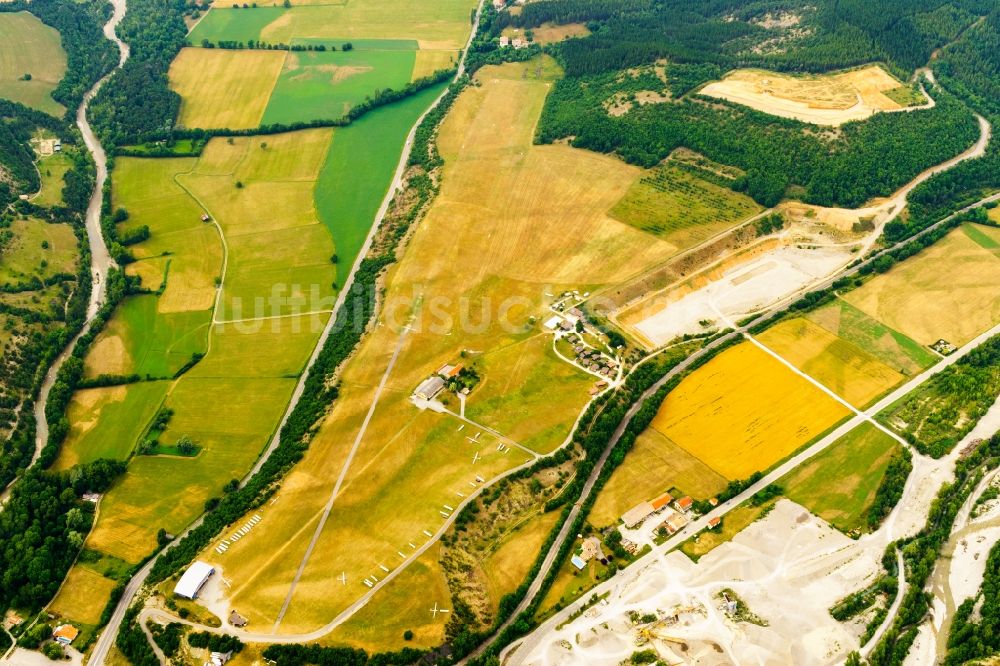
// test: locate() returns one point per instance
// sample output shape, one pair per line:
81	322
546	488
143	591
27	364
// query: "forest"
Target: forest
42	528
865	159
137	100
824	35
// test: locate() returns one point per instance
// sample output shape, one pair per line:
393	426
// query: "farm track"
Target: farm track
773	311
107	636
100	260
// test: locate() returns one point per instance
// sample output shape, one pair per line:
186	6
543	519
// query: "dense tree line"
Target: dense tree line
942	411
42	528
975	638
89	56
920	553
890	489
137	100
830	34
865	159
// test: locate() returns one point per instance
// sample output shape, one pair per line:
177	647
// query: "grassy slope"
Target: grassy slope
28	46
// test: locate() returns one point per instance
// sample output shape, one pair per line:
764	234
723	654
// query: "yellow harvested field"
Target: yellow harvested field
744	411
224	87
83	596
507	566
947	291
429	61
653	466
844	368
512	221
825	99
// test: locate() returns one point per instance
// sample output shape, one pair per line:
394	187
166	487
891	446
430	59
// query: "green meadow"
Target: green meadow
324	85
839	484
158	344
358	172
107	422
237	25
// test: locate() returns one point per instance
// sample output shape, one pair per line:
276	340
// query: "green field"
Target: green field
37	249
981	238
154	344
359	170
445	23
28	46
107	422
325	85
681	208
522	378
839	484
889	346
52	169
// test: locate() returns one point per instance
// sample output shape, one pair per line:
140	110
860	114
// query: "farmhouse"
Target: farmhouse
637	514
714	522
684	504
675	522
193	580
662	501
65	634
429	388
519	43
505	41
449	371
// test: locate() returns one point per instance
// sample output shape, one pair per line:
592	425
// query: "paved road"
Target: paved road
775	310
100	259
528	644
136	583
107	636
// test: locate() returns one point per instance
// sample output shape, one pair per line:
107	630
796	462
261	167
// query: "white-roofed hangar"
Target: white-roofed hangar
193	580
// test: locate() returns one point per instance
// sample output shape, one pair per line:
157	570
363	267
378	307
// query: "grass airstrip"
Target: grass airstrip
479	253
284	205
28	46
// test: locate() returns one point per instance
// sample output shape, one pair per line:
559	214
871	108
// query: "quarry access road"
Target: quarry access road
533	640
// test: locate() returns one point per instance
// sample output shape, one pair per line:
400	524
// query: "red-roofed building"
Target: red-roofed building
684	504
714	522
662	501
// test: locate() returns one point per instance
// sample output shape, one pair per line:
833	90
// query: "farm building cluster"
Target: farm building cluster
455	378
672	515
